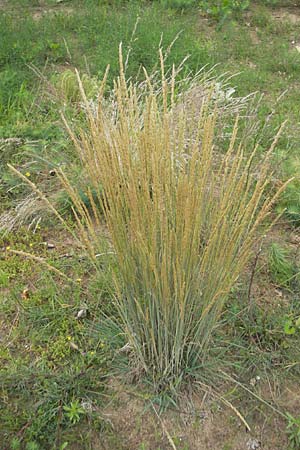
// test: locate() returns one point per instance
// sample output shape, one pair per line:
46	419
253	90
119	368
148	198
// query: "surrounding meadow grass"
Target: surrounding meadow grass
89	41
55	367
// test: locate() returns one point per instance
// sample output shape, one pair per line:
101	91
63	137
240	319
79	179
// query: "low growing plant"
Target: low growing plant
223	9
74	411
293	432
67	87
219	10
281	267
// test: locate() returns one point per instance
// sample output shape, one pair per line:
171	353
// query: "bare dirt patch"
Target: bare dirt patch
40	12
254	36
197	425
291	15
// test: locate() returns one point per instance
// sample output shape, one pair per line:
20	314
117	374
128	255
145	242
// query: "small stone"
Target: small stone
49	246
25	294
81	314
253	444
126	348
74	346
87	406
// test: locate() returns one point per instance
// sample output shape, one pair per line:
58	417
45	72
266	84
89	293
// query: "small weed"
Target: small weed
15	444
265	339
178	3
219	10
74	411
281	267
67	86
32	446
293	432
227	447
290	200
222	10
4	279
291	326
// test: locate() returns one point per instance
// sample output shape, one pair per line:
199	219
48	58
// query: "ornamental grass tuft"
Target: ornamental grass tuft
182	214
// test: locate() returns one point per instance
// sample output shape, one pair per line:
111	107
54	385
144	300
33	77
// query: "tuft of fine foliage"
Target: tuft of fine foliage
182	217
281	267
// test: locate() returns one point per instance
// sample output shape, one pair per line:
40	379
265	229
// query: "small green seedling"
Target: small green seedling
15	444
281	267
293	431
74	411
291	326
32	446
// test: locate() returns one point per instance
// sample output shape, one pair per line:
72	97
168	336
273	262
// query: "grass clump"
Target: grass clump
67	87
282	268
293	431
182	211
182	217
